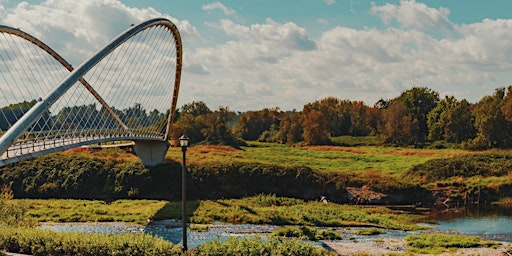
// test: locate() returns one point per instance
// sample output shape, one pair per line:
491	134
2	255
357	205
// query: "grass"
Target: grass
331	159
69	210
261	209
309	233
439	243
288	211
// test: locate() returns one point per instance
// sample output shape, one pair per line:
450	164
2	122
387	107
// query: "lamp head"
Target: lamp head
184	140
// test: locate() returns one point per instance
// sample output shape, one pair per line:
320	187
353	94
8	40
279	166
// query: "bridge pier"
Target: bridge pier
151	152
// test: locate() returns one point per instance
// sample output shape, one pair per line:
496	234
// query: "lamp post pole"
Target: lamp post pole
184	144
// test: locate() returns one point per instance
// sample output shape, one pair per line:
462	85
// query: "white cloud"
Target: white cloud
330	2
217	5
267	64
411	14
75	29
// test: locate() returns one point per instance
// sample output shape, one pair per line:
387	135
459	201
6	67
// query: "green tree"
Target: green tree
410	123
218	132
251	125
493	128
290	129
451	120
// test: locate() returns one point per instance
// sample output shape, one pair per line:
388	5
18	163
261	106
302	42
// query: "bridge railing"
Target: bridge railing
128	89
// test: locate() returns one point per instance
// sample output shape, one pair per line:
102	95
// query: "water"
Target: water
491	223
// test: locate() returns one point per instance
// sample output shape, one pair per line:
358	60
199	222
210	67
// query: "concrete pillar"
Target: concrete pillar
151	152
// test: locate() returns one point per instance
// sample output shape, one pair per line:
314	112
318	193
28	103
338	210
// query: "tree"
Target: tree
251	125
196	108
451	120
410	122
493	128
290	129
218	132
399	125
315	127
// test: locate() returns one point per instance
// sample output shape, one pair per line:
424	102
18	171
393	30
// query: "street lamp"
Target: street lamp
184	144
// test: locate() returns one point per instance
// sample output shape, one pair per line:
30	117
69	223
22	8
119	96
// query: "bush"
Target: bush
256	246
309	233
437	243
371	231
485	165
44	242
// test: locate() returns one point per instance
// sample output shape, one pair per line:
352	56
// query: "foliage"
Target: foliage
315	127
250	211
68	210
371	231
437	243
494	130
256	246
451	120
219	132
305	232
83	176
251	125
483	165
12	212
44	242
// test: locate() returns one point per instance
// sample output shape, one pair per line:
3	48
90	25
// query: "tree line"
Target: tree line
80	117
417	117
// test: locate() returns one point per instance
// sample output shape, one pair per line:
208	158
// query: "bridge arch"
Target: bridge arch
157	142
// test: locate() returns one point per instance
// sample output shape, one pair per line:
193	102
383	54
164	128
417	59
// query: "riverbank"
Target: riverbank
395	245
352	242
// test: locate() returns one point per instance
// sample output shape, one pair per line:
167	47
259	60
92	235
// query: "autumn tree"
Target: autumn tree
314	124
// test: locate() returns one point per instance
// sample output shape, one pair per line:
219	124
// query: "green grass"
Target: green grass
371	231
297	212
332	159
438	243
68	210
35	241
309	233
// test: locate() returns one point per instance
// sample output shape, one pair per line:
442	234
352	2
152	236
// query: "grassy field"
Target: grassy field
351	160
69	210
260	209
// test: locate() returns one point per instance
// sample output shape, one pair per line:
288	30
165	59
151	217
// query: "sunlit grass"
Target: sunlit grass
69	210
268	209
332	159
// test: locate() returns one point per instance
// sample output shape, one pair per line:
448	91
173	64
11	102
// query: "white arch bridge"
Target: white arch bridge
126	91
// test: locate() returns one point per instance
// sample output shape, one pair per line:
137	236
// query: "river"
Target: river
493	223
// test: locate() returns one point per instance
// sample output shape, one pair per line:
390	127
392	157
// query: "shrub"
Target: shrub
437	243
371	231
44	242
309	233
256	246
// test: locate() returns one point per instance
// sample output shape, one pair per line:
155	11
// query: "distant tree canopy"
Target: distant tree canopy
414	118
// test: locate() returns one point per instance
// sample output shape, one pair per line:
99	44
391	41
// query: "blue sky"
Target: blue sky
249	55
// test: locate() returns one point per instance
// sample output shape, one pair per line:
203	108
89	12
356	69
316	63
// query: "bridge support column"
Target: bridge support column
151	152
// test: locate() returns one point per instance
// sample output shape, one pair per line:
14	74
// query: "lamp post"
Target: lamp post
184	144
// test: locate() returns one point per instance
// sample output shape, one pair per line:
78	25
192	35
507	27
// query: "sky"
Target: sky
255	54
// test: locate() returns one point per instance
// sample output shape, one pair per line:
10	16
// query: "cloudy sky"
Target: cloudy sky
253	54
